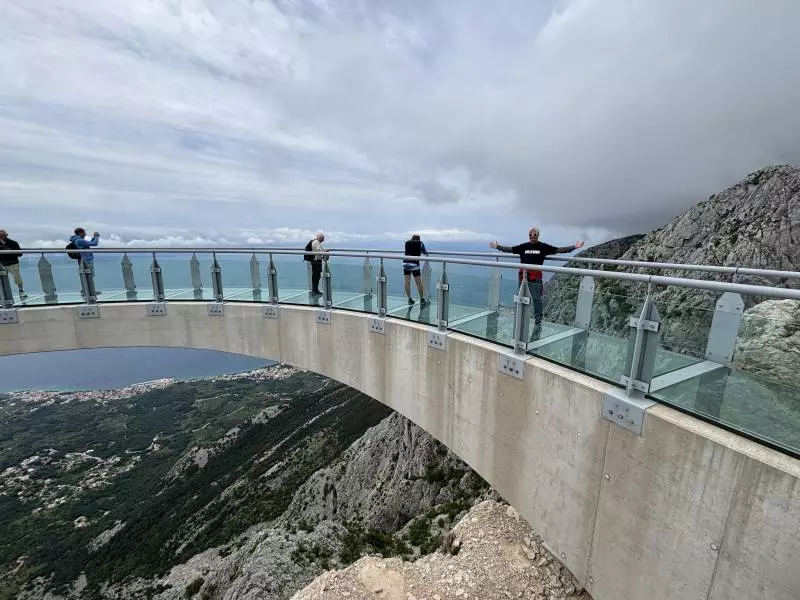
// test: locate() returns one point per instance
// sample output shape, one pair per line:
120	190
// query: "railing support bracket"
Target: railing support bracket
627	412
511	365
9	316
377	325
216	309
437	339
271	311
157	309
88	311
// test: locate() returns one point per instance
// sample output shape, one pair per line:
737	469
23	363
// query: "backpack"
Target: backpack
309	256
73	255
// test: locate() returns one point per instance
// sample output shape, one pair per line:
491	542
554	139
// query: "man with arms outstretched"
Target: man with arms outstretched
533	252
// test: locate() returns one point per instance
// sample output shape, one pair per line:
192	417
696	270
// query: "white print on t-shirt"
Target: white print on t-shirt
532	252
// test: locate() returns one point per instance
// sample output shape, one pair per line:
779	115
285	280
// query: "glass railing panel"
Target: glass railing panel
187	276
599	349
123	278
758	392
474	298
243	276
47	279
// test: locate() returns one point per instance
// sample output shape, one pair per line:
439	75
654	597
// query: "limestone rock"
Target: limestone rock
492	564
769	341
755	223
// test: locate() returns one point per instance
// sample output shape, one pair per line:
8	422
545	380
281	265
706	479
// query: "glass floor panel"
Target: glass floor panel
743	401
500	328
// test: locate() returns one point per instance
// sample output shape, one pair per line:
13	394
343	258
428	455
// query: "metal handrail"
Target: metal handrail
717	286
634	264
643	264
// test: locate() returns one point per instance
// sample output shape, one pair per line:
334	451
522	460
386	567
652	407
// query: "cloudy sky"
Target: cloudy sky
249	121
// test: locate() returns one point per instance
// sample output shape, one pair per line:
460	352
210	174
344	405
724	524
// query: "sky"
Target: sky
189	122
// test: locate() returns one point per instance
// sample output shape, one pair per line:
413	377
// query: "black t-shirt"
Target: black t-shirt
533	253
414	248
9	259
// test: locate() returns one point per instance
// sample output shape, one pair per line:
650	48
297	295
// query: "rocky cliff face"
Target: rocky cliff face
395	491
492	554
755	223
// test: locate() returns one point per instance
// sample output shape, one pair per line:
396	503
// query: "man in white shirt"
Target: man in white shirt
318	252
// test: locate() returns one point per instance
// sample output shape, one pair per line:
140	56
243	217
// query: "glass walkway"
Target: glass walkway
701	376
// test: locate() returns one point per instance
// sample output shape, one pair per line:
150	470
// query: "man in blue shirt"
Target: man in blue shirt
87	258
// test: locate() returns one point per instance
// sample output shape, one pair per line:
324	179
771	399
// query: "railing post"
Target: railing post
383	297
87	283
583	319
367	277
522	316
158	280
427	278
642	348
46	278
216	279
725	328
494	289
327	289
255	278
6	299
127	277
272	281
627	408
197	281
443	300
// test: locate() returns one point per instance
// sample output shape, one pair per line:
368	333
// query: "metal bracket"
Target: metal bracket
626	412
156	309
9	316
521	299
640	386
511	365
324	317
377	325
648	325
271	311
88	311
443	286
437	339
216	309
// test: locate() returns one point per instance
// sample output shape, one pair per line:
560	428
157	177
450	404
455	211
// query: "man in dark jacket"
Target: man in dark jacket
414	247
533	252
11	261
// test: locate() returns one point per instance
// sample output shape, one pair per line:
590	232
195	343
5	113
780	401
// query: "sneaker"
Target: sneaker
411	300
22	295
316	293
423	302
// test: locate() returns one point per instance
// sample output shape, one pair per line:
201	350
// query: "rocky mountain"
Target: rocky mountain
243	487
561	292
491	554
395	492
755	223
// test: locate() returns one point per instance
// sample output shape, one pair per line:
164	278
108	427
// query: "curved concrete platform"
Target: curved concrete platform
685	511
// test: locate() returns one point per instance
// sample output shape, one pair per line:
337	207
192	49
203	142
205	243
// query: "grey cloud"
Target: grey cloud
435	193
599	115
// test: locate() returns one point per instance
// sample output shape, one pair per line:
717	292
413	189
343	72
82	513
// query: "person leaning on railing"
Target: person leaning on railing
533	252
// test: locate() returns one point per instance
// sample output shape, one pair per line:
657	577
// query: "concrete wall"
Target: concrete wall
686	511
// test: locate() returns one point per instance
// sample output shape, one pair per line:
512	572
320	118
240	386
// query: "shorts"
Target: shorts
411	269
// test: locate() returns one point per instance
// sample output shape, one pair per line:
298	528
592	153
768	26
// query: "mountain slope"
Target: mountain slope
755	223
